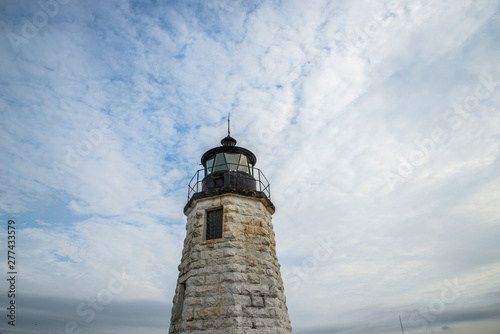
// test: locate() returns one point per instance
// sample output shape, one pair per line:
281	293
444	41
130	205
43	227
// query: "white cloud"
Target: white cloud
330	97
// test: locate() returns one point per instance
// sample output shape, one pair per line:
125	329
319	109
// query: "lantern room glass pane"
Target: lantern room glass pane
232	160
251	168
220	162
243	165
210	164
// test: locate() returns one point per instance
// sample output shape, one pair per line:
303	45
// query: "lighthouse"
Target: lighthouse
229	276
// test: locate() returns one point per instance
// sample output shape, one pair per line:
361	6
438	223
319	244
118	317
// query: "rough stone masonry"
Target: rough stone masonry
231	284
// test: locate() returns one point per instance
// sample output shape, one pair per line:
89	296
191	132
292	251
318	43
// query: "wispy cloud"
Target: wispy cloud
107	107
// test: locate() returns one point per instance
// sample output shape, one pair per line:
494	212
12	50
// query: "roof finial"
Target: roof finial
228	141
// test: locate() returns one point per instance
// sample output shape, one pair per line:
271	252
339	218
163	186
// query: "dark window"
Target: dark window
220	162
243	165
232	160
179	306
210	164
214	224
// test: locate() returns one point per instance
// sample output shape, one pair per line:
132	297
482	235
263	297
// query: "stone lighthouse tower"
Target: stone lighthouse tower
229	279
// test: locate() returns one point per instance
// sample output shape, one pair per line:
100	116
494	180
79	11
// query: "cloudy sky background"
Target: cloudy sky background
376	122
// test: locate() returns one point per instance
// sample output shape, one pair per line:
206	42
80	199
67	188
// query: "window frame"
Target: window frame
218	229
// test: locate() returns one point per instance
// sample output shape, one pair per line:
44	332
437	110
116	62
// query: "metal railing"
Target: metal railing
262	183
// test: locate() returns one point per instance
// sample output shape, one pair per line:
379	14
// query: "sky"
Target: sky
376	123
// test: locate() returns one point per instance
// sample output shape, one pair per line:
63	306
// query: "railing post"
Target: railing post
258	179
260	182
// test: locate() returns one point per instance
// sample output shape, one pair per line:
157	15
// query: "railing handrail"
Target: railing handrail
195	186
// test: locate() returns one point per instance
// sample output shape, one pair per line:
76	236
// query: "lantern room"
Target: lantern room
228	166
228	157
228	169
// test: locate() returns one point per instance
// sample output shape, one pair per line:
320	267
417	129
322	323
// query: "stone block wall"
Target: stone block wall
232	284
